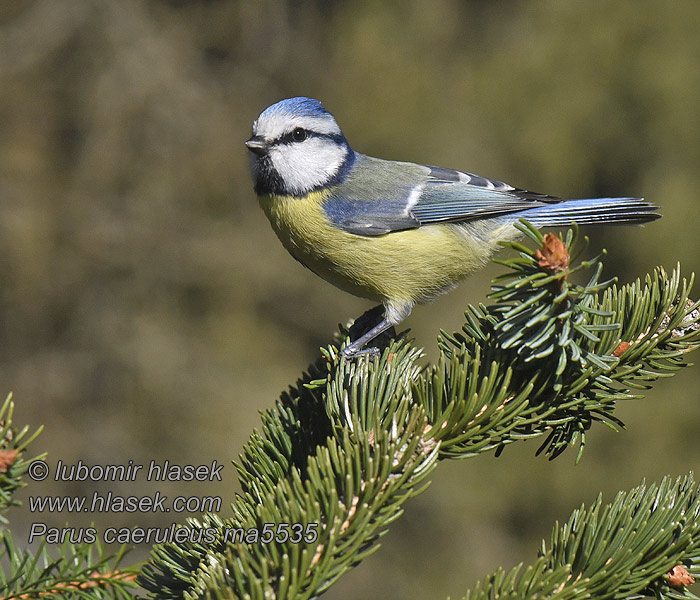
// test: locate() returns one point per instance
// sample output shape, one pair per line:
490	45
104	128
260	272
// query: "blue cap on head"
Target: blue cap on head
299	106
306	113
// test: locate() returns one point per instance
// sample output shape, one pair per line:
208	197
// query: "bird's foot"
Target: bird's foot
350	353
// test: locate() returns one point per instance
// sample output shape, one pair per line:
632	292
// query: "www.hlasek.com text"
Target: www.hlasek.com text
110	502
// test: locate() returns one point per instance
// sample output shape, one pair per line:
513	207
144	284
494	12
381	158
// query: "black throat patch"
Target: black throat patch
267	179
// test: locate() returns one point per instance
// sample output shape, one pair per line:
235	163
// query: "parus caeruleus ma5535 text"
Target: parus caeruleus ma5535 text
395	232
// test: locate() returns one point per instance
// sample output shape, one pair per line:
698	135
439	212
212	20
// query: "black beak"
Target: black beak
256	145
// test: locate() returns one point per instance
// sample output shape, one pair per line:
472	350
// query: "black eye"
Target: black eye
299	134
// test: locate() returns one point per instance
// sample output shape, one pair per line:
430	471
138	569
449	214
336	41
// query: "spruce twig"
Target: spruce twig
74	570
624	549
13	464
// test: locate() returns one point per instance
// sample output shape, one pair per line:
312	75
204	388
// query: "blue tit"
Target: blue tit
398	233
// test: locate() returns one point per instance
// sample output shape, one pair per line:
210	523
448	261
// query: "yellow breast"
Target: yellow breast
413	265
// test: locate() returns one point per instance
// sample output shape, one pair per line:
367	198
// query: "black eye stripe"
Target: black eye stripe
288	138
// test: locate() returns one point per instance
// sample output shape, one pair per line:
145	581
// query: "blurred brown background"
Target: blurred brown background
149	312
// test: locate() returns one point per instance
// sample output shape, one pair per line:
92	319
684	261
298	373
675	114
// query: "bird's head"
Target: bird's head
297	147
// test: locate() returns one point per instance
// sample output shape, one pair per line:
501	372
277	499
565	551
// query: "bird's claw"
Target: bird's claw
350	353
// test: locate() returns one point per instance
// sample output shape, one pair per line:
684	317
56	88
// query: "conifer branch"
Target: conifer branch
353	440
363	460
79	570
552	356
13	464
625	549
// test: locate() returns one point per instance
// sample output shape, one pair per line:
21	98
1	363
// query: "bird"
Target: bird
397	233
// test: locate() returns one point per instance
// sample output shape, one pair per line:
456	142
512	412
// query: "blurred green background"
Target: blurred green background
149	312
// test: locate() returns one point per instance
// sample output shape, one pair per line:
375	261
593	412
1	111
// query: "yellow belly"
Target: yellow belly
413	265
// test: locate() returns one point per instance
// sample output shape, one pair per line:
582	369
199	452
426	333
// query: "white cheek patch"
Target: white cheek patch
309	164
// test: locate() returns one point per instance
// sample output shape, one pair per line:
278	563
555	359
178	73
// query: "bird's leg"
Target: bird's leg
367	328
356	348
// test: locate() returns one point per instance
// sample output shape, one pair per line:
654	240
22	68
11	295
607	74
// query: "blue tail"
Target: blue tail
590	211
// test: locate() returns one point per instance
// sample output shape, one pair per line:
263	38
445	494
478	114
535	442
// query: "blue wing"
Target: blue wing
458	197
449	195
384	196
